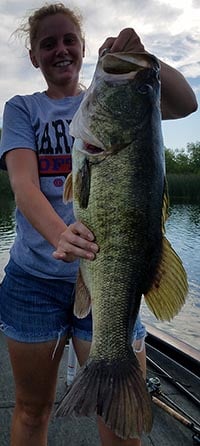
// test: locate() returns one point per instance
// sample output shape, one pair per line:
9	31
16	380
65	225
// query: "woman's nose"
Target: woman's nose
61	48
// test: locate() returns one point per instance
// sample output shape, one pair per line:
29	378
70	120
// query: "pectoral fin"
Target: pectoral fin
82	185
169	290
68	192
82	303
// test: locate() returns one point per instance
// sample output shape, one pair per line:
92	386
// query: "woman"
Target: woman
36	313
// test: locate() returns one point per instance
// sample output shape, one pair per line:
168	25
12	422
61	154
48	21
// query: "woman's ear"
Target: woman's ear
33	59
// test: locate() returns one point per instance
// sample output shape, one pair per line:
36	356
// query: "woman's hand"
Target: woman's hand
177	97
127	41
76	241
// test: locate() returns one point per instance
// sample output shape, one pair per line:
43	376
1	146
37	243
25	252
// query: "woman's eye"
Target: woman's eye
48	45
69	41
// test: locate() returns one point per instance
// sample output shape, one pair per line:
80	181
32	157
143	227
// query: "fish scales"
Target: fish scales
119	192
120	221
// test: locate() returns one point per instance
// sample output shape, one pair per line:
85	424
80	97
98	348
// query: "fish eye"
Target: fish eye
145	89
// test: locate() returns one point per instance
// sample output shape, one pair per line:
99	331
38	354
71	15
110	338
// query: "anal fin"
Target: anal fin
82	302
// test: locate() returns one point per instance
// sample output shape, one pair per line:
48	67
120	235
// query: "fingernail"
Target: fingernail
90	236
91	256
104	51
94	248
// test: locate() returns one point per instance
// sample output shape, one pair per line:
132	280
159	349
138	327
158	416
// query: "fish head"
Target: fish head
124	91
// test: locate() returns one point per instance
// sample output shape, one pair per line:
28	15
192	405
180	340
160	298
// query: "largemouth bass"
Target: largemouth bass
119	192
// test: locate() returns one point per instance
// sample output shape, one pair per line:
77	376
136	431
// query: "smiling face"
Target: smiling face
58	52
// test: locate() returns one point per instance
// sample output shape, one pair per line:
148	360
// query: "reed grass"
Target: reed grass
5	189
184	188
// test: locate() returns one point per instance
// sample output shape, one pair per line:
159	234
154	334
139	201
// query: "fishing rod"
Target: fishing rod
179	417
154	388
178	408
175	382
153	385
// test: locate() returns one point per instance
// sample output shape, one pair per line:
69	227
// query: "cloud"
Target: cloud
113	16
196	4
154	20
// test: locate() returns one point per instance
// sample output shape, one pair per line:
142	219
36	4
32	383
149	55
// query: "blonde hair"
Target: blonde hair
30	26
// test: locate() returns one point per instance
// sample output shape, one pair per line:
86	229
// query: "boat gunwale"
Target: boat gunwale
179	351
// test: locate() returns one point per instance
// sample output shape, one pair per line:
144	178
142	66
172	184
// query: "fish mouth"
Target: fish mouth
113	69
127	63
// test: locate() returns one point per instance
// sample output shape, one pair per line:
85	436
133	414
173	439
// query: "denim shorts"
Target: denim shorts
39	310
139	331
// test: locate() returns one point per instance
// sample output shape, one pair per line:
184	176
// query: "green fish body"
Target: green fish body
119	192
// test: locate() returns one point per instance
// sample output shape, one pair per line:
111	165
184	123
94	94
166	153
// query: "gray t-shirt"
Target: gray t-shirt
39	123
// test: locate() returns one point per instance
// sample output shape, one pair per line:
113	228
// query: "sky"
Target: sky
169	29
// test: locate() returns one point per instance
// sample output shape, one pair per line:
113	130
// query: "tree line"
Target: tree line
183	161
182	169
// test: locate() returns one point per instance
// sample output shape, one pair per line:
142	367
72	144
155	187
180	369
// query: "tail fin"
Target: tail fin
114	390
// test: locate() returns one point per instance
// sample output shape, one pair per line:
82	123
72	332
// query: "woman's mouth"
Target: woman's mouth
63	63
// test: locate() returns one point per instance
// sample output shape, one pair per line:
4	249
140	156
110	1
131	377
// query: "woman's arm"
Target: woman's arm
177	97
23	173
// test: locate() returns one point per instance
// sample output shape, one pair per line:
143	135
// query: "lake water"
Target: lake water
183	231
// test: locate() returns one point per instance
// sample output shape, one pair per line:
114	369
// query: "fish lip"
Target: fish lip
116	78
132	63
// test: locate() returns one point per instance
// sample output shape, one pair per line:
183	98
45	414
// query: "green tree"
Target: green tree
170	160
182	162
194	156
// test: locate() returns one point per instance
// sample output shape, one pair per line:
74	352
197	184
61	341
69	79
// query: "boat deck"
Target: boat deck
72	431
